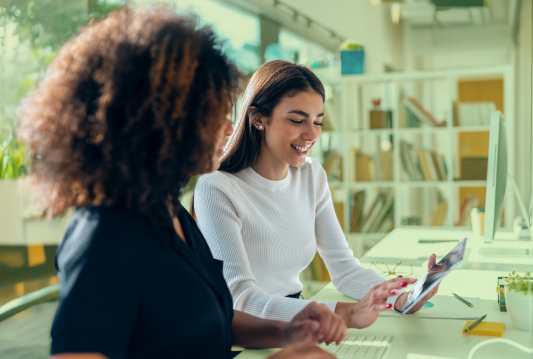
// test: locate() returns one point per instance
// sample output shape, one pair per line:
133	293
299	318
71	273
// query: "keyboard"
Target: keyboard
424	250
369	347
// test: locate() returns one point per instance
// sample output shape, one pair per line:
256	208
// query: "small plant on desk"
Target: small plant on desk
519	299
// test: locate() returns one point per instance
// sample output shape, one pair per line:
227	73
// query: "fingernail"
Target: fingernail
404	284
389	305
400	276
413	280
394	291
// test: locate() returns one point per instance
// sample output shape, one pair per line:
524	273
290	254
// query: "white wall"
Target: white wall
370	25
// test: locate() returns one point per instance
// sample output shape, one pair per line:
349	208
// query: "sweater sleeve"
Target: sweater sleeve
347	275
219	220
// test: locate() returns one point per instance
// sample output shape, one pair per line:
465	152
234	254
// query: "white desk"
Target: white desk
402	243
439	336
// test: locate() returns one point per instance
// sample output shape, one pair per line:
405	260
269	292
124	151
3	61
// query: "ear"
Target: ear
256	119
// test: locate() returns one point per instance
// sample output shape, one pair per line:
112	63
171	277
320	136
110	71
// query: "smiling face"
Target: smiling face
293	128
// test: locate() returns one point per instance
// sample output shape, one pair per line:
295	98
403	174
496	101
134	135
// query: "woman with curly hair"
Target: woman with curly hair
268	209
130	109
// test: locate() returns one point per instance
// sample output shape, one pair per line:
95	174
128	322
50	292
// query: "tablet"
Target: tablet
425	284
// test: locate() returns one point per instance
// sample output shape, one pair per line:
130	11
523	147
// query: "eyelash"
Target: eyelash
299	122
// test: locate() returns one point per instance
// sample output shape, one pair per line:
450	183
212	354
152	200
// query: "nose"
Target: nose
228	128
312	132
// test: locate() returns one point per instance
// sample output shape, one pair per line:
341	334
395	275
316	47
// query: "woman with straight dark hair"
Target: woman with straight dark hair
268	209
129	110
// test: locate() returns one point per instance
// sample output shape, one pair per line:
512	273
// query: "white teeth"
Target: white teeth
301	149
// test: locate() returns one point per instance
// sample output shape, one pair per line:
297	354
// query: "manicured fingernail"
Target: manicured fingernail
389	305
404	284
394	291
400	276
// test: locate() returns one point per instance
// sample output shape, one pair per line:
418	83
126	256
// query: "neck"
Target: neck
269	166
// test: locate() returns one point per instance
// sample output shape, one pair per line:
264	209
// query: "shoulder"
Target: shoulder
216	182
102	232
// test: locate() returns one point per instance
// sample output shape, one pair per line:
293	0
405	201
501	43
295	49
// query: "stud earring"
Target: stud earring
260	127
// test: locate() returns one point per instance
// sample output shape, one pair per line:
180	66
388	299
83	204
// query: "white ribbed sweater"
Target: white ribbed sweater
266	232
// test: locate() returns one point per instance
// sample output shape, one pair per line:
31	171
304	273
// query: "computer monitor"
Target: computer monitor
496	175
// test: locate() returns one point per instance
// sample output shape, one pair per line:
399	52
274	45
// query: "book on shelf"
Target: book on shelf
421	164
424	165
469	202
317	271
418	115
377	167
333	165
379	216
475	113
332	113
439	214
385	211
339	211
357	203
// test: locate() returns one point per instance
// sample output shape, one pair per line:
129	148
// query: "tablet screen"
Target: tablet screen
435	275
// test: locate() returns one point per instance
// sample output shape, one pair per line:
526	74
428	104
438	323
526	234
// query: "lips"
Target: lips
301	150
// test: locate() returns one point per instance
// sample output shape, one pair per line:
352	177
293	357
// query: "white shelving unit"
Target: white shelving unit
437	91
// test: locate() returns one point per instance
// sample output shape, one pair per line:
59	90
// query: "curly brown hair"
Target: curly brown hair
128	111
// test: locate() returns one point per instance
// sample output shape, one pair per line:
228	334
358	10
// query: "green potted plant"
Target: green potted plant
352	58
519	300
12	167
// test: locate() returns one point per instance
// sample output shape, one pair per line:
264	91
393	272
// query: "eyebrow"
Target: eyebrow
305	114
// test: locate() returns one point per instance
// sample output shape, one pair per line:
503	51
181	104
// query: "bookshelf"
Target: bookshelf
415	199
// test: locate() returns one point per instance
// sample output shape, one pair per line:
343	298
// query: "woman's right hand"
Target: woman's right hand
302	352
365	312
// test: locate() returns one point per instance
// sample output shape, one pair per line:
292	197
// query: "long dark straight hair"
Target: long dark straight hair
272	82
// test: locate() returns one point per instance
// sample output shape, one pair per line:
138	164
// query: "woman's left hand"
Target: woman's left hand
315	324
432	267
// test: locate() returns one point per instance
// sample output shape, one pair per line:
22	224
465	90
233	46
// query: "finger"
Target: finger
381	307
322	314
340	335
383	294
398	283
432	261
309	332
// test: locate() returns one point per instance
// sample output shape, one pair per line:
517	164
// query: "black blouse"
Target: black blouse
129	289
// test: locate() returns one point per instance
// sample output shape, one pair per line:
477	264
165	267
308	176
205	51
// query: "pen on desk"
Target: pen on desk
463	300
471	326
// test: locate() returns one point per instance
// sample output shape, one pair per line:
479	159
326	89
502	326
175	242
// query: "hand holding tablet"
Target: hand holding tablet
436	272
